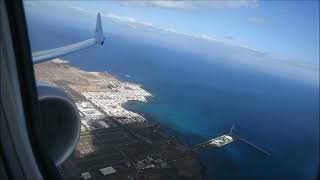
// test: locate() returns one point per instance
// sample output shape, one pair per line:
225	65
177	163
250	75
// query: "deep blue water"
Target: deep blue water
198	97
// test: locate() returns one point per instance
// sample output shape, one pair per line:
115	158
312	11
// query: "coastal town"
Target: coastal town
116	143
111	101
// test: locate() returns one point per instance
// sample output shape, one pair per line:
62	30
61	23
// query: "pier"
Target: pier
213	143
254	146
224	140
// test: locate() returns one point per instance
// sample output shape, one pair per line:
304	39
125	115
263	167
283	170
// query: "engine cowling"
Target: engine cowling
59	125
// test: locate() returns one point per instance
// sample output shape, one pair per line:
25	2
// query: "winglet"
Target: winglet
98	35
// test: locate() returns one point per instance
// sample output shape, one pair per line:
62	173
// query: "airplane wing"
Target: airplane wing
47	55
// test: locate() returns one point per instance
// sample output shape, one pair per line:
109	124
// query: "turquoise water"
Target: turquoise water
199	97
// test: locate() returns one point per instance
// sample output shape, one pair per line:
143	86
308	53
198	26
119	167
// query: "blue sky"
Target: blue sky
285	29
283	34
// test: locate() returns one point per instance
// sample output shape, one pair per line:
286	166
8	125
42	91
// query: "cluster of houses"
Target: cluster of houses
111	101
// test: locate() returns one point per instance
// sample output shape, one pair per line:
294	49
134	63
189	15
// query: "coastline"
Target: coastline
98	96
171	132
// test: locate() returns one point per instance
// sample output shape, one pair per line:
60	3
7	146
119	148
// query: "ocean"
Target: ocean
197	97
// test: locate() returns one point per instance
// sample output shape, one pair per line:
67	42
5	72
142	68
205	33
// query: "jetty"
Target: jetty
224	140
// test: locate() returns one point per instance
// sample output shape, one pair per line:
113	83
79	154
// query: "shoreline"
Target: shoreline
101	99
173	133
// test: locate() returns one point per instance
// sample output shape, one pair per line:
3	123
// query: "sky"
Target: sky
285	30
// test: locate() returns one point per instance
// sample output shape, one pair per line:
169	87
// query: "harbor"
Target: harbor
224	140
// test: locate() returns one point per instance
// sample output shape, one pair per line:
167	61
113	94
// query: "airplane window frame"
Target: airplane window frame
27	84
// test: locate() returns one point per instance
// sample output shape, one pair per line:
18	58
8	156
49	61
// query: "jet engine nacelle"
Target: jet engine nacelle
59	125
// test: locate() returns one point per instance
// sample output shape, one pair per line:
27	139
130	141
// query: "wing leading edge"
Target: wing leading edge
47	55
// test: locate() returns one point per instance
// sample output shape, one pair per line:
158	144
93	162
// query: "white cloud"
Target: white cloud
117	18
132	22
126	19
200	36
257	20
207	37
84	11
266	61
162	4
189	5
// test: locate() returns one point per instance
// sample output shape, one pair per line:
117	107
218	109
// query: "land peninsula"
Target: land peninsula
116	143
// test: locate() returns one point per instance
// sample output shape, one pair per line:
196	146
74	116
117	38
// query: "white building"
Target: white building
107	170
87	110
86	175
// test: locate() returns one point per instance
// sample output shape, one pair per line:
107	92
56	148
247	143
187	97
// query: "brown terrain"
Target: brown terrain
133	149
